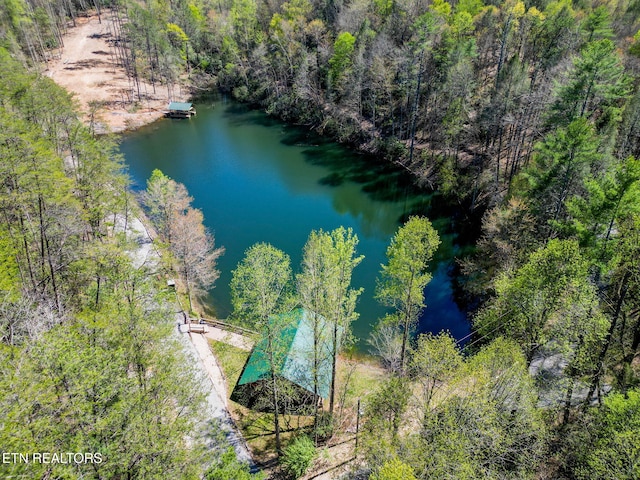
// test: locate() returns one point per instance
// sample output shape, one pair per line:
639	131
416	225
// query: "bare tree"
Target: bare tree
386	342
165	199
22	318
194	249
181	227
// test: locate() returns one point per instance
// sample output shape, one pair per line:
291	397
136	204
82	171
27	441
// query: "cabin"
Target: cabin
293	366
180	110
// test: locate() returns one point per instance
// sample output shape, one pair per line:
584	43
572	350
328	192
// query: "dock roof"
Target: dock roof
180	106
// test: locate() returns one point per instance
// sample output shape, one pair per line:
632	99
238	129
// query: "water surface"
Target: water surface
259	180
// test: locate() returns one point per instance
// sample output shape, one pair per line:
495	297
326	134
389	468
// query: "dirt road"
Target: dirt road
87	67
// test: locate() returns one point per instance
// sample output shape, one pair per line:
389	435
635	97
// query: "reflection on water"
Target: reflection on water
257	180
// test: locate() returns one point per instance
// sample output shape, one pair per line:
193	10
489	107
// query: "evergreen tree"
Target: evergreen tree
596	89
560	164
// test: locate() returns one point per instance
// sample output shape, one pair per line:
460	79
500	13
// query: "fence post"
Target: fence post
357	427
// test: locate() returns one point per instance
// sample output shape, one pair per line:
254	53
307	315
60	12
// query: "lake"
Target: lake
259	180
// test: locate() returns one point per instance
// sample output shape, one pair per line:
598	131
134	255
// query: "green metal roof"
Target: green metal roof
295	363
180	106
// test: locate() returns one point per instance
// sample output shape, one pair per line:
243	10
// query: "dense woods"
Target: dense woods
91	371
526	114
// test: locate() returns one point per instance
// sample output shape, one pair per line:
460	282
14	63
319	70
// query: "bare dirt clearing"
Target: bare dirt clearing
89	68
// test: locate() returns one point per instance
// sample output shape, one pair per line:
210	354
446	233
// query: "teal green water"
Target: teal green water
258	180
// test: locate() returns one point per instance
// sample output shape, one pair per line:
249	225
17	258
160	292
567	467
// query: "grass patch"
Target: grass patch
257	428
231	360
357	379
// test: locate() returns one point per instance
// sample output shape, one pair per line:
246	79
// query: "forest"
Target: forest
92	382
525	114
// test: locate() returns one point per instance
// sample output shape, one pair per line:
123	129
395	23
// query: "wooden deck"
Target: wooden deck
180	114
219	331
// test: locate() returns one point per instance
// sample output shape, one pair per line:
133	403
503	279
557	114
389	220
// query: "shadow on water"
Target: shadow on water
384	182
239	114
380	179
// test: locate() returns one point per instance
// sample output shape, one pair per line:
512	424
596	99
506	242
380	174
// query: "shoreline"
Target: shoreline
108	99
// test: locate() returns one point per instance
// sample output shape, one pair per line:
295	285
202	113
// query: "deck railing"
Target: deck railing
228	326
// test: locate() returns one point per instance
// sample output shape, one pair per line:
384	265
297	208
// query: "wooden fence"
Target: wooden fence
228	327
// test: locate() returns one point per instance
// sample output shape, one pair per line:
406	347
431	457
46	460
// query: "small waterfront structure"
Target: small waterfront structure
180	110
198	328
293	366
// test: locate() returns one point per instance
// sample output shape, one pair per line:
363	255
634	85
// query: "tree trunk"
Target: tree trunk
405	338
631	355
316	362
503	48
607	342
274	396
567	400
414	113
25	245
334	361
